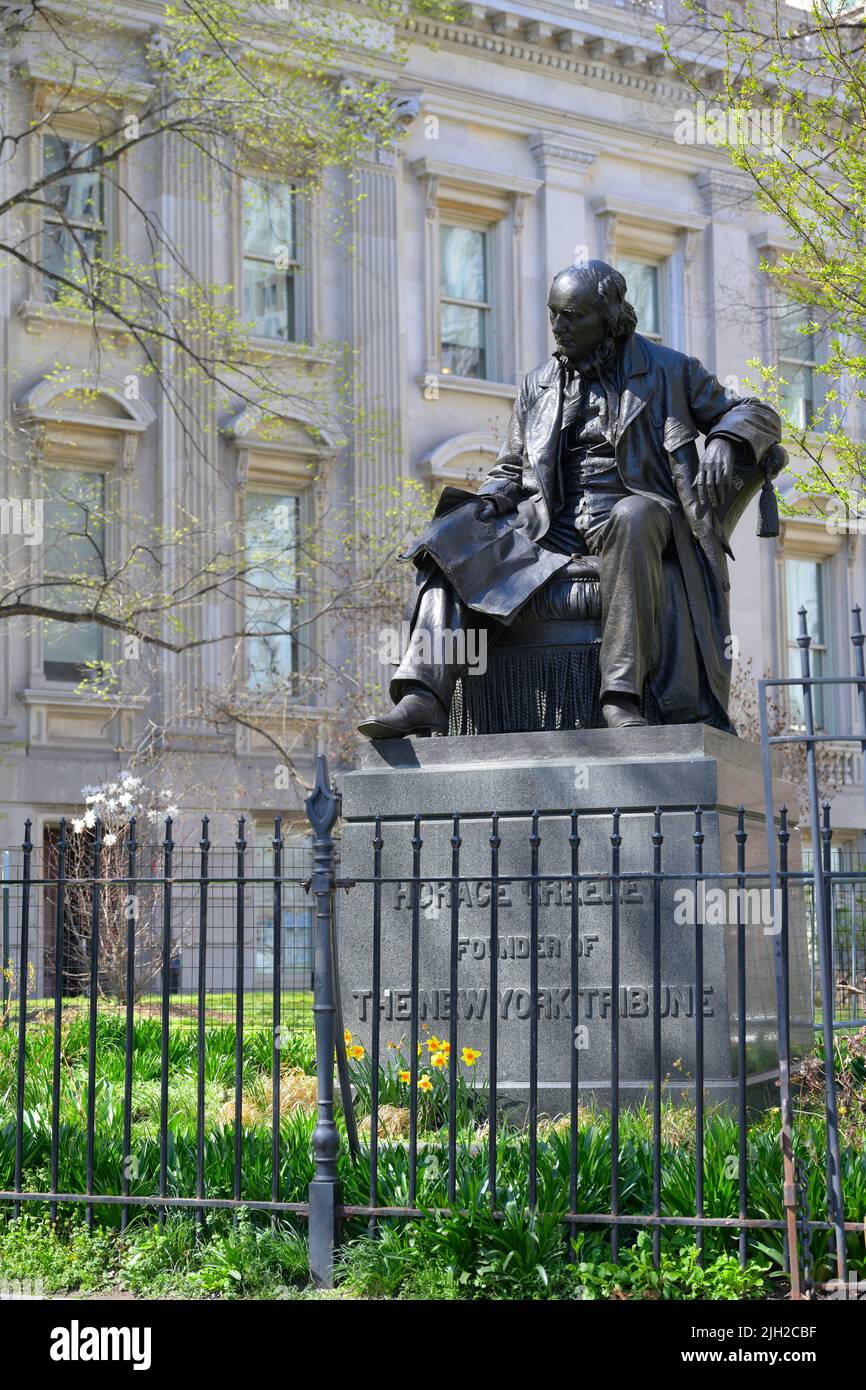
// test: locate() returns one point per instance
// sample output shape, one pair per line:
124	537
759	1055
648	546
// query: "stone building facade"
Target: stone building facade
534	134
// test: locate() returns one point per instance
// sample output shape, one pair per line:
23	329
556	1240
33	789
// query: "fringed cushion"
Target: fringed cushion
543	672
529	689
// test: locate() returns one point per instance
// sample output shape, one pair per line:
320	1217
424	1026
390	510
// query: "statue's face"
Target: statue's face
575	317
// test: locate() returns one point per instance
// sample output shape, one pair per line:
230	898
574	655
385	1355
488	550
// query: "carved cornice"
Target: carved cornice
552	150
57	421
725	196
462	176
84	80
772	245
631	62
629	209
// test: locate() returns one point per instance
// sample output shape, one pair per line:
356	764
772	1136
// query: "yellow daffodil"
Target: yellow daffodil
357	1052
425	1083
405	1076
439	1059
347	1037
433	1045
470	1056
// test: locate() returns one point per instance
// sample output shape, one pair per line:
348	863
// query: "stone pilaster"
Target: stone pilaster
725	304
377	322
563	163
188	446
6	433
380	446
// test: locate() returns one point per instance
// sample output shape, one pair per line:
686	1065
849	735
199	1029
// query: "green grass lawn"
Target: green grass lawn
295	1008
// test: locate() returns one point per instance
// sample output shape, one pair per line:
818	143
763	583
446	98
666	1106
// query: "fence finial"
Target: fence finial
323	803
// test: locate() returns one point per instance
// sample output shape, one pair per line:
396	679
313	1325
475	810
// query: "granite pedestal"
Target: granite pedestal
590	771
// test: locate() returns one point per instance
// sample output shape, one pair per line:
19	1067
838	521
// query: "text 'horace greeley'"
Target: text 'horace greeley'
436	893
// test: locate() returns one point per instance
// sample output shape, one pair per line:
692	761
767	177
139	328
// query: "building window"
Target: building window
464	313
76	233
798	353
297	945
645	294
272	592
73	564
804	588
271	297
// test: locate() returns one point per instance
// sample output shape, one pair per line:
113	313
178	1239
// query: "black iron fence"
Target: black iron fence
845	876
696	1051
132	926
825	879
847	916
613	1049
154	1032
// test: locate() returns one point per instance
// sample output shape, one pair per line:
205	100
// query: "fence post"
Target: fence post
4	967
786	1112
323	808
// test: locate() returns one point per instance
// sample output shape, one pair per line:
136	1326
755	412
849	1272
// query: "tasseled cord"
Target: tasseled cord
768	510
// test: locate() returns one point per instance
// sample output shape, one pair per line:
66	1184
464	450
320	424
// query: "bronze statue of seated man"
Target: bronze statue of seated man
600	459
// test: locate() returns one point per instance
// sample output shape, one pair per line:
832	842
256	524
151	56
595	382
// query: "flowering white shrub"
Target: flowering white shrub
116	804
130	913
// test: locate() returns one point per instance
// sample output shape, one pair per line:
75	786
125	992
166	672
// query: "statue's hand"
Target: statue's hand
716	471
493	505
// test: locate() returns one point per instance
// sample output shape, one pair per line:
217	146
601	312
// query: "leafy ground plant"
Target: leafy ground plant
520	1257
465	1255
679	1276
225	1259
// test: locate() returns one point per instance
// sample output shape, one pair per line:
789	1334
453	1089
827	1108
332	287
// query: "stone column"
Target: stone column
730	335
188	443
377	320
563	163
689	244
5	426
380	446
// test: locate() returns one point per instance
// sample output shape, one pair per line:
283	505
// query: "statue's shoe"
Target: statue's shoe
625	715
418	715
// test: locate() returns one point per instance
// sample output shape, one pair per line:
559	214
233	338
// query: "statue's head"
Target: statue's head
587	307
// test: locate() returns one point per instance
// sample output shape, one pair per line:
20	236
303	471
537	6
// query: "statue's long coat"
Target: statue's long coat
667	401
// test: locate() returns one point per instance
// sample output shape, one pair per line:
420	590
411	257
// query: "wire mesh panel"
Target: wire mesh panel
60	931
155	1044
846	885
836	891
